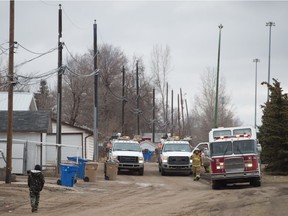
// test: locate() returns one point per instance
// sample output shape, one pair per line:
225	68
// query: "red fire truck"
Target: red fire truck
234	154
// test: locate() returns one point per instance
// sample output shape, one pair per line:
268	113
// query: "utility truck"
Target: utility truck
128	153
175	156
234	154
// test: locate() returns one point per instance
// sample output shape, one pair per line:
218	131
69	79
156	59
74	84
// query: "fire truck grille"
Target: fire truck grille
178	160
234	165
127	159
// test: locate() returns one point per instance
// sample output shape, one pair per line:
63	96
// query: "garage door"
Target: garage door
75	147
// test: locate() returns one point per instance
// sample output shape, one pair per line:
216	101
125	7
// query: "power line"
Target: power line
81	75
48	4
4	50
32	59
36	53
72	22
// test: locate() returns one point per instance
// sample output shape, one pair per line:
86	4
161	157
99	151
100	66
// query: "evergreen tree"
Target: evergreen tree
273	134
43	98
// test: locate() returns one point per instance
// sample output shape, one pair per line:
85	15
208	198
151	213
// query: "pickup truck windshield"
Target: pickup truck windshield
177	147
121	146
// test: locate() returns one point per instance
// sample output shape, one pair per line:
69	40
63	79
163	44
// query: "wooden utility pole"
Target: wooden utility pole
166	110
59	90
179	124
182	111
172	114
96	85
10	96
188	120
123	101
138	99
153	117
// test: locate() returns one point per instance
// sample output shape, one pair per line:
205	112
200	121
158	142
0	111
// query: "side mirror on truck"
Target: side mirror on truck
259	148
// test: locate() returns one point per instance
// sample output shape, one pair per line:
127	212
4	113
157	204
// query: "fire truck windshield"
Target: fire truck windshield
221	148
229	147
244	146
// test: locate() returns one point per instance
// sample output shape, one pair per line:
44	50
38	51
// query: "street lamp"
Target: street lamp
270	24
256	61
217	82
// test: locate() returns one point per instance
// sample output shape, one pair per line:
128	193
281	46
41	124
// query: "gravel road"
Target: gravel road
151	194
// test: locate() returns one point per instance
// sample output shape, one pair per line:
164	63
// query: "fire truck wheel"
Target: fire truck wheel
216	185
256	182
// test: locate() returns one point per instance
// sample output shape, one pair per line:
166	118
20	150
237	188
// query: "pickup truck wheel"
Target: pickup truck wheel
163	173
141	171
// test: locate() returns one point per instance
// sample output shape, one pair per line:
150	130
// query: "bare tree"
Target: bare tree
78	92
160	67
110	63
203	110
76	85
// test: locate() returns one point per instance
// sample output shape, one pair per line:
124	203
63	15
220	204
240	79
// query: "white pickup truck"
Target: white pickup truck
175	157
129	155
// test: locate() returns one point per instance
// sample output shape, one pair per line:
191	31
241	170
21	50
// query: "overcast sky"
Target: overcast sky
189	28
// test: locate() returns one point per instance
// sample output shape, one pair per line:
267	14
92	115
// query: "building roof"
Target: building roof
22	101
83	128
27	121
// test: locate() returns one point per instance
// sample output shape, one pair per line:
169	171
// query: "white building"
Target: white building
34	135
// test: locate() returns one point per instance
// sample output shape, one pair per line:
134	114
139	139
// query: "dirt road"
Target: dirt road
151	194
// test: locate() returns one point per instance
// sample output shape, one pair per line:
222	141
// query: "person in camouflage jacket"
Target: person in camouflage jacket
36	182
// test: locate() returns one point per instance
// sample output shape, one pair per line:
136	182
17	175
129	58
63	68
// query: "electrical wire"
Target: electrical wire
47	74
30	60
71	55
28	50
6	49
82	75
48	4
71	21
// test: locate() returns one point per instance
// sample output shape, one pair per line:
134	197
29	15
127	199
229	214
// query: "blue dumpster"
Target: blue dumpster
150	153
147	154
81	165
68	172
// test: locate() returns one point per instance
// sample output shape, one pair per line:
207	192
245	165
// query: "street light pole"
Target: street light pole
270	24
217	83
256	61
